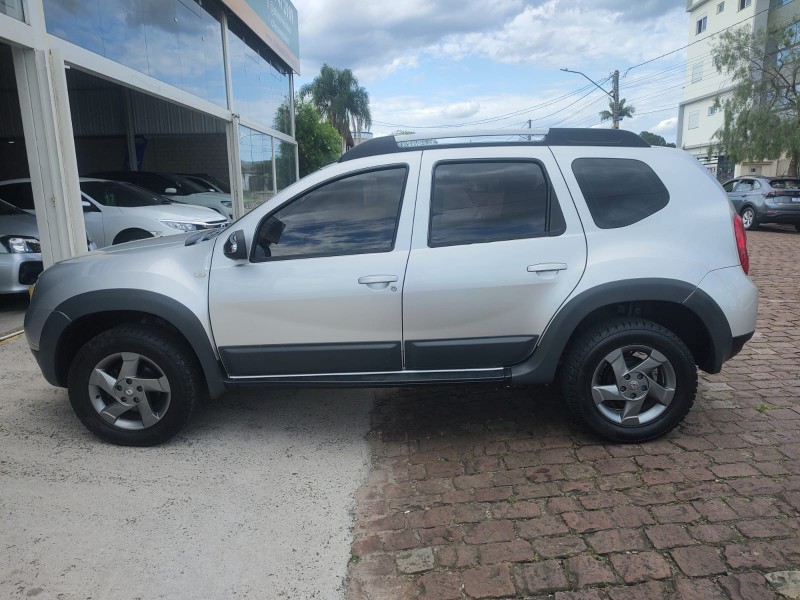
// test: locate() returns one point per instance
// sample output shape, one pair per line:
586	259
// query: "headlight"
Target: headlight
182	225
226	203
21	244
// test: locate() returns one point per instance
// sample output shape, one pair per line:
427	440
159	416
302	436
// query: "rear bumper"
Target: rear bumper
775	214
738	343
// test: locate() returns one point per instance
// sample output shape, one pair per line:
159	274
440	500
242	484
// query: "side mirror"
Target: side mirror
88	206
235	246
171	190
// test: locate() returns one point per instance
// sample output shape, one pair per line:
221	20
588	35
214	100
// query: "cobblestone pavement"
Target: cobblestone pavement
491	492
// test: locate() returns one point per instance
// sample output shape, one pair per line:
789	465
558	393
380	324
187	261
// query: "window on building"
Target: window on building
697	72
701	24
793	39
694	119
744	4
720	7
712	110
619	192
480	202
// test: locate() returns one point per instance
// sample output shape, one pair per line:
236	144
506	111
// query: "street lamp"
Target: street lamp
614	94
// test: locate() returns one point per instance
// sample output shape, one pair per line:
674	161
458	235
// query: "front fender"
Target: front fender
52	338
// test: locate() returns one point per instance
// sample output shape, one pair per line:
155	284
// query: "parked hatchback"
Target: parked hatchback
20	250
766	200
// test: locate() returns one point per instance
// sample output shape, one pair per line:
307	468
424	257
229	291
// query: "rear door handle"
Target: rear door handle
378	282
545	267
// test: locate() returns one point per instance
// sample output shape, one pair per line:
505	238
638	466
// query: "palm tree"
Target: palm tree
622	111
335	93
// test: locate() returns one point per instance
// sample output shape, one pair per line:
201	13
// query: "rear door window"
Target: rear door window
489	201
619	191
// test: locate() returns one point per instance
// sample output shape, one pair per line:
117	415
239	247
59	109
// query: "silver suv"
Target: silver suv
517	257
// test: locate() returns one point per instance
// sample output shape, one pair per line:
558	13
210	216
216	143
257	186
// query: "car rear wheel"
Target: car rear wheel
134	385
630	380
749	218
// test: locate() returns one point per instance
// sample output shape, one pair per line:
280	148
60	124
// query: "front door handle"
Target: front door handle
378	282
545	267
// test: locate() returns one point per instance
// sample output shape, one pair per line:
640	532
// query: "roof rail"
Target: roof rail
498	137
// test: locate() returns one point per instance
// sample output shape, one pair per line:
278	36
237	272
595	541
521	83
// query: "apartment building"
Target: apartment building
698	117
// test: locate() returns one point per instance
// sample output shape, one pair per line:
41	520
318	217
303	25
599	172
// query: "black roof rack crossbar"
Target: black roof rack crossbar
524	137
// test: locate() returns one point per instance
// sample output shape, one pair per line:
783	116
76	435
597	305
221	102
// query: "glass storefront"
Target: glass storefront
285	163
255	153
178	42
261	85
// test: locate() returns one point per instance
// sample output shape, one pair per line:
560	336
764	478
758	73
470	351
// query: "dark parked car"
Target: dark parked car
766	200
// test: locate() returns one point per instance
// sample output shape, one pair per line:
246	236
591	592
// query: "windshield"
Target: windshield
7	210
115	193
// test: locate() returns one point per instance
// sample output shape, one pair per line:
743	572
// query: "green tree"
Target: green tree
654	139
622	111
762	111
339	98
318	143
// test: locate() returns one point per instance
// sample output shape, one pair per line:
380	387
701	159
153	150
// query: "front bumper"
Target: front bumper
18	272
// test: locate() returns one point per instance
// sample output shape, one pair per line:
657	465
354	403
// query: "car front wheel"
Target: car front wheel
630	380
134	385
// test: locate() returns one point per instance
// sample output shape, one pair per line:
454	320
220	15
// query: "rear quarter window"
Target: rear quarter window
619	191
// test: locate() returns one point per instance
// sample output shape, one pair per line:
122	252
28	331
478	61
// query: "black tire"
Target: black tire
797	227
161	356
584	367
753	220
130	235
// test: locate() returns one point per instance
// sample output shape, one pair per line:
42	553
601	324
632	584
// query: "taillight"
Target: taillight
741	243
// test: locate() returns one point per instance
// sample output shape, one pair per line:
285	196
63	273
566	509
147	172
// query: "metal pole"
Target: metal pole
615	100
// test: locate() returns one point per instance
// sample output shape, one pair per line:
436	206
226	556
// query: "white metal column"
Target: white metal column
235	166
50	146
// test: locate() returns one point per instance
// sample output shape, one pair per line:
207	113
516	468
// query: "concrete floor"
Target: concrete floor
12	312
253	500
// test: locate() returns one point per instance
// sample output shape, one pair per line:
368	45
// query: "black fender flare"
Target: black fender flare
542	365
141	301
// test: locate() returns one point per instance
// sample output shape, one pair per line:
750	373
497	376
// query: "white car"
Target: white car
573	255
117	212
176	187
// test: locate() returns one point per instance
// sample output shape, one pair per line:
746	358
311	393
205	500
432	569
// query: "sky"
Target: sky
494	64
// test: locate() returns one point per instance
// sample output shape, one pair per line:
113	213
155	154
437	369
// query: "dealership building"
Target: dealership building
178	86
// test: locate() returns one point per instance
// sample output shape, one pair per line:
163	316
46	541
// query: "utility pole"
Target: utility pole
615	100
613	94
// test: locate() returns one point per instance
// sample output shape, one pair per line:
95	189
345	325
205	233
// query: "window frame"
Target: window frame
702	25
551	196
695	113
697	72
262	259
745	4
720	7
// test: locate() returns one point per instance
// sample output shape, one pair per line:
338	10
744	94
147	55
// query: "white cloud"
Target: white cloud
666	126
379	37
461	110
